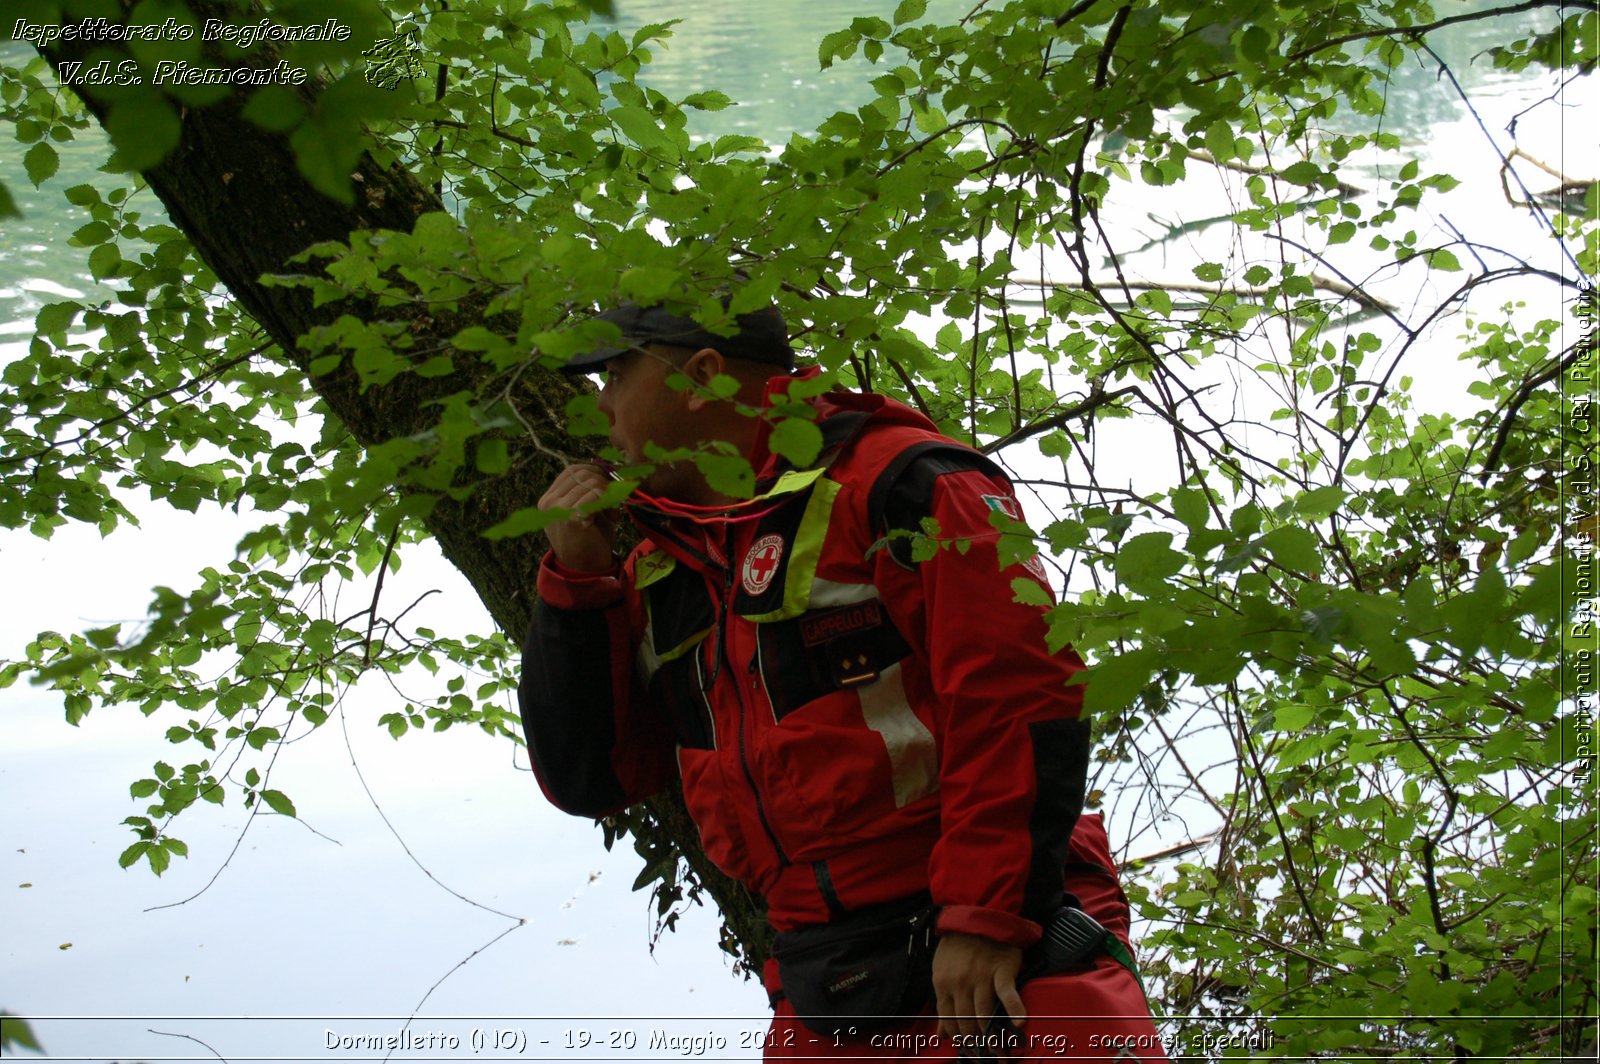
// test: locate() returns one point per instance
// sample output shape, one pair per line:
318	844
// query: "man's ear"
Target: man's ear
702	368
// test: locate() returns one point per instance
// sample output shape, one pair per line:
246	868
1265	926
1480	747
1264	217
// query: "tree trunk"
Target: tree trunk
234	190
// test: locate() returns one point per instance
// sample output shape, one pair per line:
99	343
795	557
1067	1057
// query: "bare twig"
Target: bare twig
377	593
1328	284
1524	393
190	1037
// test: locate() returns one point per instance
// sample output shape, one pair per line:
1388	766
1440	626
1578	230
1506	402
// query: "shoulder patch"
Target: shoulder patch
1005	504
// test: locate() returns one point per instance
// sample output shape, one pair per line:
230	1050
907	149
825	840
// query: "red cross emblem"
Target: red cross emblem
761	564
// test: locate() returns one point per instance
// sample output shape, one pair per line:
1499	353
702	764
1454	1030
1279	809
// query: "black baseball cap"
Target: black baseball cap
761	336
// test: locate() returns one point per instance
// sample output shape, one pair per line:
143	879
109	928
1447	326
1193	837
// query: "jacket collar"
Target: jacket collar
682	529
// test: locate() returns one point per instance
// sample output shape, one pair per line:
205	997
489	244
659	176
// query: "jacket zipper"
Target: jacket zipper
735	680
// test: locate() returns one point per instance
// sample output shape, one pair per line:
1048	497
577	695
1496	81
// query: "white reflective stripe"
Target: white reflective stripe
828	593
705	697
913	759
647	662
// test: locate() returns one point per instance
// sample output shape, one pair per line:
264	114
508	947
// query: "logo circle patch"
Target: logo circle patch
761	564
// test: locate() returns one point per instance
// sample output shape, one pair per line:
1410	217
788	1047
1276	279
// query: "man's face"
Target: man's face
642	407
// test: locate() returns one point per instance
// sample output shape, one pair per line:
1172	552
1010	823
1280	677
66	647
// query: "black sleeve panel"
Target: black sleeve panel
902	495
568	712
1061	762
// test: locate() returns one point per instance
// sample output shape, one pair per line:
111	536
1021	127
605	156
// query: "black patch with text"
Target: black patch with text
822	651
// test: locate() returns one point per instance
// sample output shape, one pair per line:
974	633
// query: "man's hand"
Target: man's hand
969	973
582	544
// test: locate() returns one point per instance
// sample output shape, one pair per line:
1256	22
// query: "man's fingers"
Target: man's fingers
968	974
1006	986
962	1014
575	485
580	541
574	488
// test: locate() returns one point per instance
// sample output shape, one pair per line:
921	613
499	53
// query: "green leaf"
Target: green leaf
909	11
1192	508
1444	259
1302	173
1114	683
1323	622
144	127
91	234
326	155
104	261
16	1034
1292	718
41	163
840	44
1319	503
1219	141
54	319
708	101
523	522
143	788
278	802
1392	655
1145	562
276	108
729	474
798	440
1294	548
493	456
642	128
258	737
1029	592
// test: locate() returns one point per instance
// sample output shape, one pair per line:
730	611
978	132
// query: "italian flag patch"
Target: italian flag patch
1009	506
1005	504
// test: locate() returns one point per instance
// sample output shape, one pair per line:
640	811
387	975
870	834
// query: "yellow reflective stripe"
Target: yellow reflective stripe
804	552
913	758
647	660
684	647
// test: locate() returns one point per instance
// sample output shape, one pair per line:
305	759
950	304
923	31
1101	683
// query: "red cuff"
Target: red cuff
570	589
993	924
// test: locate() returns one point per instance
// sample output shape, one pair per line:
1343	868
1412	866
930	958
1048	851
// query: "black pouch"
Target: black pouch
868	970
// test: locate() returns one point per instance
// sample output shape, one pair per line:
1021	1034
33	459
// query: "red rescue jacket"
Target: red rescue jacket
849	724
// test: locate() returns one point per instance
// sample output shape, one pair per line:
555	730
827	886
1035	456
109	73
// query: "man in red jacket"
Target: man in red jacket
869	732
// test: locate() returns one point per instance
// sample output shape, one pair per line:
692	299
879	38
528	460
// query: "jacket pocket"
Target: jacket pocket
841	767
822	651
